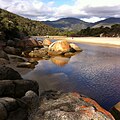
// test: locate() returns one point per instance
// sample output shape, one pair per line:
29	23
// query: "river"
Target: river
95	72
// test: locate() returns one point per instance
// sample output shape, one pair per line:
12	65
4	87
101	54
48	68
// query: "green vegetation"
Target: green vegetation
113	31
14	26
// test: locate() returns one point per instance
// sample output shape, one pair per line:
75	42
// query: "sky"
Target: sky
41	10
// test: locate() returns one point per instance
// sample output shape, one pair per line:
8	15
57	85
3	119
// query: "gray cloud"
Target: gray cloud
103	12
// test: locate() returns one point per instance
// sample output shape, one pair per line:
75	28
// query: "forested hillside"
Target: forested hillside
113	31
14	26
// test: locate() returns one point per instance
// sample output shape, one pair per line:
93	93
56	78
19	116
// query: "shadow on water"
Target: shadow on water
95	72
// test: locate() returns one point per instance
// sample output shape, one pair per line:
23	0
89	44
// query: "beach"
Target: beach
104	41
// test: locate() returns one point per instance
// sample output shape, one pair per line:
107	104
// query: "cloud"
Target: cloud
88	10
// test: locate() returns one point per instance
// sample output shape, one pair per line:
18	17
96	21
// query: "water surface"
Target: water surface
95	72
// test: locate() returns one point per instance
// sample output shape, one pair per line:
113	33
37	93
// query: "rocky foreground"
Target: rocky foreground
19	98
20	101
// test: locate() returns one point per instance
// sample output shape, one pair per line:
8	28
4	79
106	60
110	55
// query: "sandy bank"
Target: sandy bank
106	41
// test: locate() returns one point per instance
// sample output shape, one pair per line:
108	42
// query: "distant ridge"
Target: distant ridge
71	23
68	23
107	22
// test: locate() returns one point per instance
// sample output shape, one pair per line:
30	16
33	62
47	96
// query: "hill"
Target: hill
12	25
107	22
68	24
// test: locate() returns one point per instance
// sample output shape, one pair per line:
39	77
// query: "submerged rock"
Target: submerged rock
70	106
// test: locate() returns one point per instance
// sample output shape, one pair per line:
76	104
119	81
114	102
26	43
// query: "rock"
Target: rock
29	42
59	60
31	99
69	54
22	86
3	61
75	47
116	111
24	65
3	112
17	88
70	106
3	55
9	103
11	43
10	50
15	58
46	42
39	53
18	114
7	88
7	73
59	46
55	53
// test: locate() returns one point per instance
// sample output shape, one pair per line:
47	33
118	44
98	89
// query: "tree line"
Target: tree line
113	31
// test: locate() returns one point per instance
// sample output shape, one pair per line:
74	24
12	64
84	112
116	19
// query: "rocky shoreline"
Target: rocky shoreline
19	98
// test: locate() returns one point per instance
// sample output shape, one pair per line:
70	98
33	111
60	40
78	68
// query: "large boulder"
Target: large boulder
60	47
70	106
17	88
7	73
28	43
46	42
19	109
12	109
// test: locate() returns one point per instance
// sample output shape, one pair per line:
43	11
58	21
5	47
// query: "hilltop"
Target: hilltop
68	23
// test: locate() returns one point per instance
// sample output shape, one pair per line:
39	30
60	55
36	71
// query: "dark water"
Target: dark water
95	72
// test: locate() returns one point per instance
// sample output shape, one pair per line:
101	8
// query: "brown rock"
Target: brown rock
39	53
60	46
75	47
28	43
46	42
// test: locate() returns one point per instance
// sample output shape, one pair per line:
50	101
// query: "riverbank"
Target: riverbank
104	41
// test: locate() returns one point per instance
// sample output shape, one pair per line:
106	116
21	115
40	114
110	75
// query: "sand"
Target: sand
106	41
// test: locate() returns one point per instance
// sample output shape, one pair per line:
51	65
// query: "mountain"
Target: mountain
68	24
77	24
107	22
12	25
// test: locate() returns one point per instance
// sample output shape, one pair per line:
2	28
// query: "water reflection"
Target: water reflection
94	72
60	61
